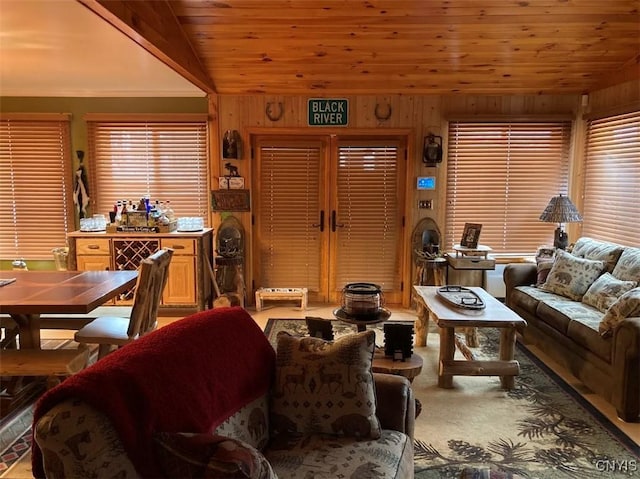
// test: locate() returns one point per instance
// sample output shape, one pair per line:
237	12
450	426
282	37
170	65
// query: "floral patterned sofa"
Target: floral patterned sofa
207	396
586	315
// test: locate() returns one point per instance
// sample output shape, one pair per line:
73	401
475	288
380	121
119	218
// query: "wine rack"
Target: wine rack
189	282
128	253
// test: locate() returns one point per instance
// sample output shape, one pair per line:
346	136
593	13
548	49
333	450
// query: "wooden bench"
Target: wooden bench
50	363
281	294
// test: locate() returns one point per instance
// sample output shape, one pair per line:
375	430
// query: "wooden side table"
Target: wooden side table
409	368
471	259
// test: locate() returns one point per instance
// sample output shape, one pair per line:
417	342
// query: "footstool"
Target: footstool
281	294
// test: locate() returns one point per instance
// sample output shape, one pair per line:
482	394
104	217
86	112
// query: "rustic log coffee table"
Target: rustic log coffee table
449	317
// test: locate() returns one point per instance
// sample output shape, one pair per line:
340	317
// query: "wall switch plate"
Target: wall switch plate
424	204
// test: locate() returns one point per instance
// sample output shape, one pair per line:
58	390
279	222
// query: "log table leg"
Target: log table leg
422	324
447	351
471	337
507	353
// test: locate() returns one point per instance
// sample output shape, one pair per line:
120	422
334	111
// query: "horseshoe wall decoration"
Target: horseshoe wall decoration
383	114
274	115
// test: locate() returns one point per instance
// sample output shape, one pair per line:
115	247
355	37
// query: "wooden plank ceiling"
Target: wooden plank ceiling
333	47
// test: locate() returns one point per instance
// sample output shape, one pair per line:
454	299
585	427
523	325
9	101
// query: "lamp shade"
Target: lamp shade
560	210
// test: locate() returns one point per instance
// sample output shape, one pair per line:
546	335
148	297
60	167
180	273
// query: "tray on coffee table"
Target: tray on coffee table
461	297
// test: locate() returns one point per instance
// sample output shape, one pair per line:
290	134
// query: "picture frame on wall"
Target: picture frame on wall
471	235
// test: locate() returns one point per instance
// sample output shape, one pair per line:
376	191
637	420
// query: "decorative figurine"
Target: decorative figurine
81	191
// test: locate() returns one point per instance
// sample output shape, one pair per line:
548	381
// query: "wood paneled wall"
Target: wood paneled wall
622	98
420	114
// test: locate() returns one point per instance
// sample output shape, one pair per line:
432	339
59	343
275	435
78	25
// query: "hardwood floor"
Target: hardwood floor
325	311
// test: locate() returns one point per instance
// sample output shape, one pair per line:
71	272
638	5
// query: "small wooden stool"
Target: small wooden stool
281	294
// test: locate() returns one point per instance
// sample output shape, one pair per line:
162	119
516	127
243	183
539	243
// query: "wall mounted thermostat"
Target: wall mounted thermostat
426	183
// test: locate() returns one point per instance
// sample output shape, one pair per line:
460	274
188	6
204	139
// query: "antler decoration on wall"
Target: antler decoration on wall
381	114
274	116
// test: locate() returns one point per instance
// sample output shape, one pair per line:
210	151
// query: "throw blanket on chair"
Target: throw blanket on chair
185	377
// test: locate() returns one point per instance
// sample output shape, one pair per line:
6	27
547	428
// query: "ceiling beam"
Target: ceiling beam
154	26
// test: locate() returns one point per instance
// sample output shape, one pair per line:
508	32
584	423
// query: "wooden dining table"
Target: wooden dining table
34	293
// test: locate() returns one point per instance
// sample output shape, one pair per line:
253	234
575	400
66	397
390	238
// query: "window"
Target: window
612	179
35	184
502	175
162	156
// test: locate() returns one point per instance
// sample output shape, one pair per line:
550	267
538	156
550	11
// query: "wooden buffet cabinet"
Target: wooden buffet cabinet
189	285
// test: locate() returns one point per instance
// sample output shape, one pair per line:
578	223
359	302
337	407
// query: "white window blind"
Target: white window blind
166	160
502	175
35	184
289	207
612	180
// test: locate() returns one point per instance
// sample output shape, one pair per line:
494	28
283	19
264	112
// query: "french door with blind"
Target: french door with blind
328	211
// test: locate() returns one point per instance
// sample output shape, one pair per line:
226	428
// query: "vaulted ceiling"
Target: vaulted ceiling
316	47
59	48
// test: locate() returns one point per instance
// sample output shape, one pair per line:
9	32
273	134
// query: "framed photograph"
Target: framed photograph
546	252
230	200
471	235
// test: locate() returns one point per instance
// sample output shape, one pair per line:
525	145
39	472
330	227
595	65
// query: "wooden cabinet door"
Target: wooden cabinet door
181	285
93	263
93	254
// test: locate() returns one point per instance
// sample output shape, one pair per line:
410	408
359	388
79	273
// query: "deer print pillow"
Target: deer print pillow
324	387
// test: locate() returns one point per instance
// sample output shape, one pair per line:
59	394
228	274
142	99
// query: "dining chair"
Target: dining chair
110	331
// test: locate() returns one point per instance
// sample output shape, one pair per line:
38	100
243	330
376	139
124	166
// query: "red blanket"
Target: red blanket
188	376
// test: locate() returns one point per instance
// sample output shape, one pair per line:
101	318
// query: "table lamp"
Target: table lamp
560	210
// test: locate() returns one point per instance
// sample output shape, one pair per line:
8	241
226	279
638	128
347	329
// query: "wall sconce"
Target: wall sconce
432	150
560	210
231	145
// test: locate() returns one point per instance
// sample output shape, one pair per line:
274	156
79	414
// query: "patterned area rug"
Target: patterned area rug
16	439
540	429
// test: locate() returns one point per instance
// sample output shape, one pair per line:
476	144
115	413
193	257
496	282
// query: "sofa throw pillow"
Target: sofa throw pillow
605	291
590	248
324	387
187	455
627	306
628	266
571	276
544	266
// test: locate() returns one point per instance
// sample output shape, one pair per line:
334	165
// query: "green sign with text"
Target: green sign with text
328	112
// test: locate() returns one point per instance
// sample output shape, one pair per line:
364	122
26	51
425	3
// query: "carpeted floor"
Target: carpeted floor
540	429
